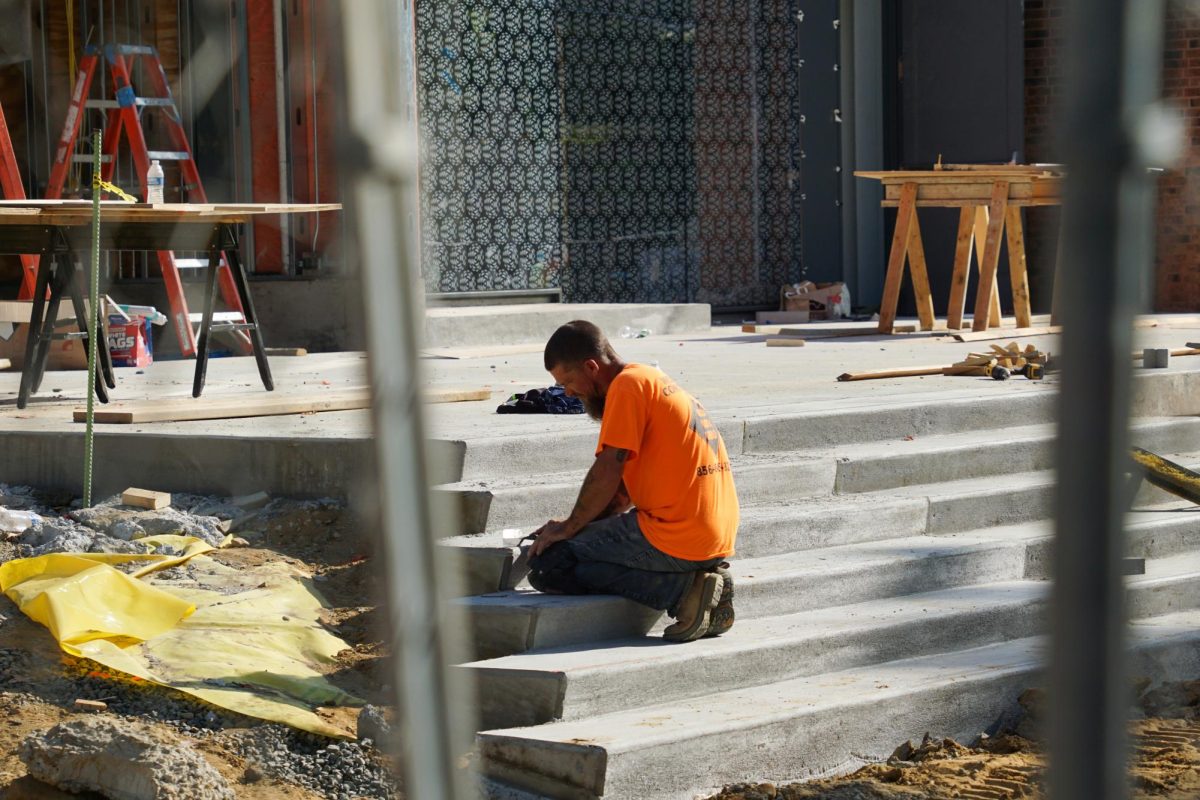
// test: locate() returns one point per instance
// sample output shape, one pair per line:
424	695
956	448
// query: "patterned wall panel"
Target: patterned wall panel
623	150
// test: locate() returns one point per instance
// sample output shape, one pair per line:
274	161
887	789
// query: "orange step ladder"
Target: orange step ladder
11	188
124	116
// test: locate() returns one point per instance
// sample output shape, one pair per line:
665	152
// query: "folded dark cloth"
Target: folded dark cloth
553	400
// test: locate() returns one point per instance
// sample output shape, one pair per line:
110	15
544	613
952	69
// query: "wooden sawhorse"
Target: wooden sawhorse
990	200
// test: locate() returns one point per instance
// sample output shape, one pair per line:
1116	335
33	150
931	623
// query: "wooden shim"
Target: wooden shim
5	363
145	498
784	341
257	405
912	372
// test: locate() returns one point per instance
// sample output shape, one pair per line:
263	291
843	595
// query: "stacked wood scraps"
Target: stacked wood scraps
1012	357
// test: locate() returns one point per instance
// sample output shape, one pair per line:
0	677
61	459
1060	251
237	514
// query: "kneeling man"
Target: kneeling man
659	453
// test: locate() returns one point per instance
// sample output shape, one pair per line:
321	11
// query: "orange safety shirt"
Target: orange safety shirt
677	473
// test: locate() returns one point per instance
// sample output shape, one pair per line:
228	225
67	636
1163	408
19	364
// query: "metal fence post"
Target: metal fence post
1113	68
379	155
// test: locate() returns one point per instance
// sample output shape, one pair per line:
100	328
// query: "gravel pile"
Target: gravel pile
338	770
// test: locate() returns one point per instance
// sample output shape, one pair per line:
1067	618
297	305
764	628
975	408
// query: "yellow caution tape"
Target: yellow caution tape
251	641
99	183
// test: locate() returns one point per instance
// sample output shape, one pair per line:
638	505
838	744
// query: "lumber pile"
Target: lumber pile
1012	358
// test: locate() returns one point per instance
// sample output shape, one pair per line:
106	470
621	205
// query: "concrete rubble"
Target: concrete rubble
121	760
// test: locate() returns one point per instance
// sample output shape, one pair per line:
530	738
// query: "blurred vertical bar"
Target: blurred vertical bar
1110	133
379	153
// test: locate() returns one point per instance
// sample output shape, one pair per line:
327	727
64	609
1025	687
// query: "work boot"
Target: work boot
692	616
721	618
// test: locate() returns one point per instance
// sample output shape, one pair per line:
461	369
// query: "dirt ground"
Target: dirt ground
39	684
1165	763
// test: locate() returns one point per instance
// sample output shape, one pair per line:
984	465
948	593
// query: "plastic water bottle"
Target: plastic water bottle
154	183
13	521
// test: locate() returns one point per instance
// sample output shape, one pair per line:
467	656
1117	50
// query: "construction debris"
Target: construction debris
120	758
998	363
145	498
89	705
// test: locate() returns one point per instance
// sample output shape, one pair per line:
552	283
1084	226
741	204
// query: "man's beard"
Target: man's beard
593	404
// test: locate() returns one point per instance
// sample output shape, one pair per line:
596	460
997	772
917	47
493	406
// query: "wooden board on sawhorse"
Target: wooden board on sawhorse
989	200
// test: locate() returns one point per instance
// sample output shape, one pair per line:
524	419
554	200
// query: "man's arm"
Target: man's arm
598	492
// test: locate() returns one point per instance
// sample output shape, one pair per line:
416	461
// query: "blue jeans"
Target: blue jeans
611	556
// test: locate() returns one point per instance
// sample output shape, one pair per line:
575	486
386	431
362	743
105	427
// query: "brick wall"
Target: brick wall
1177	271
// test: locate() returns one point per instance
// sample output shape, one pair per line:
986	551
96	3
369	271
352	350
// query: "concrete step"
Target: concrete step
899	462
490	325
529	500
574	682
504	623
548	444
798	728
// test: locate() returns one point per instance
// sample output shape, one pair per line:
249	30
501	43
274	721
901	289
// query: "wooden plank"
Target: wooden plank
754	327
911	372
145	498
1055	319
781	317
1016	267
920	276
1006	333
896	258
960	278
285	351
784	341
990	260
455	395
257	405
982	219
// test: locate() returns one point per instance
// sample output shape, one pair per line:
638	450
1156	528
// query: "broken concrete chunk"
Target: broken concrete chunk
122	760
67	536
121	522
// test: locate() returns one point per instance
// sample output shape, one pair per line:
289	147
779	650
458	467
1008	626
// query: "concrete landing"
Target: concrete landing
532	323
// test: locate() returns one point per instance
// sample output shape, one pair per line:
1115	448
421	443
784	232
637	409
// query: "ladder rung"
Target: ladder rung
159	102
90	159
191	263
133	49
221	327
218	316
168	155
71	335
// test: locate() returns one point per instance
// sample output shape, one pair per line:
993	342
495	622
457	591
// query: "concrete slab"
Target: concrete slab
472	326
796	729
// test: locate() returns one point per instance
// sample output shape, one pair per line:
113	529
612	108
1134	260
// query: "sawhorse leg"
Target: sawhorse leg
906	245
225	240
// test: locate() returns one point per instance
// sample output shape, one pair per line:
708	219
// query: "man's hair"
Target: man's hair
575	343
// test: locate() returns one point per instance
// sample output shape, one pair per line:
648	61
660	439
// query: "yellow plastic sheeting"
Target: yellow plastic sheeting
79	597
253	645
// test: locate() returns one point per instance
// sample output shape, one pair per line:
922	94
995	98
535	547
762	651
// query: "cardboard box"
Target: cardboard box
64	353
821	300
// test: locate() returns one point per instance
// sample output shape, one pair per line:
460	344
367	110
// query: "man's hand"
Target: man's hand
556	530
